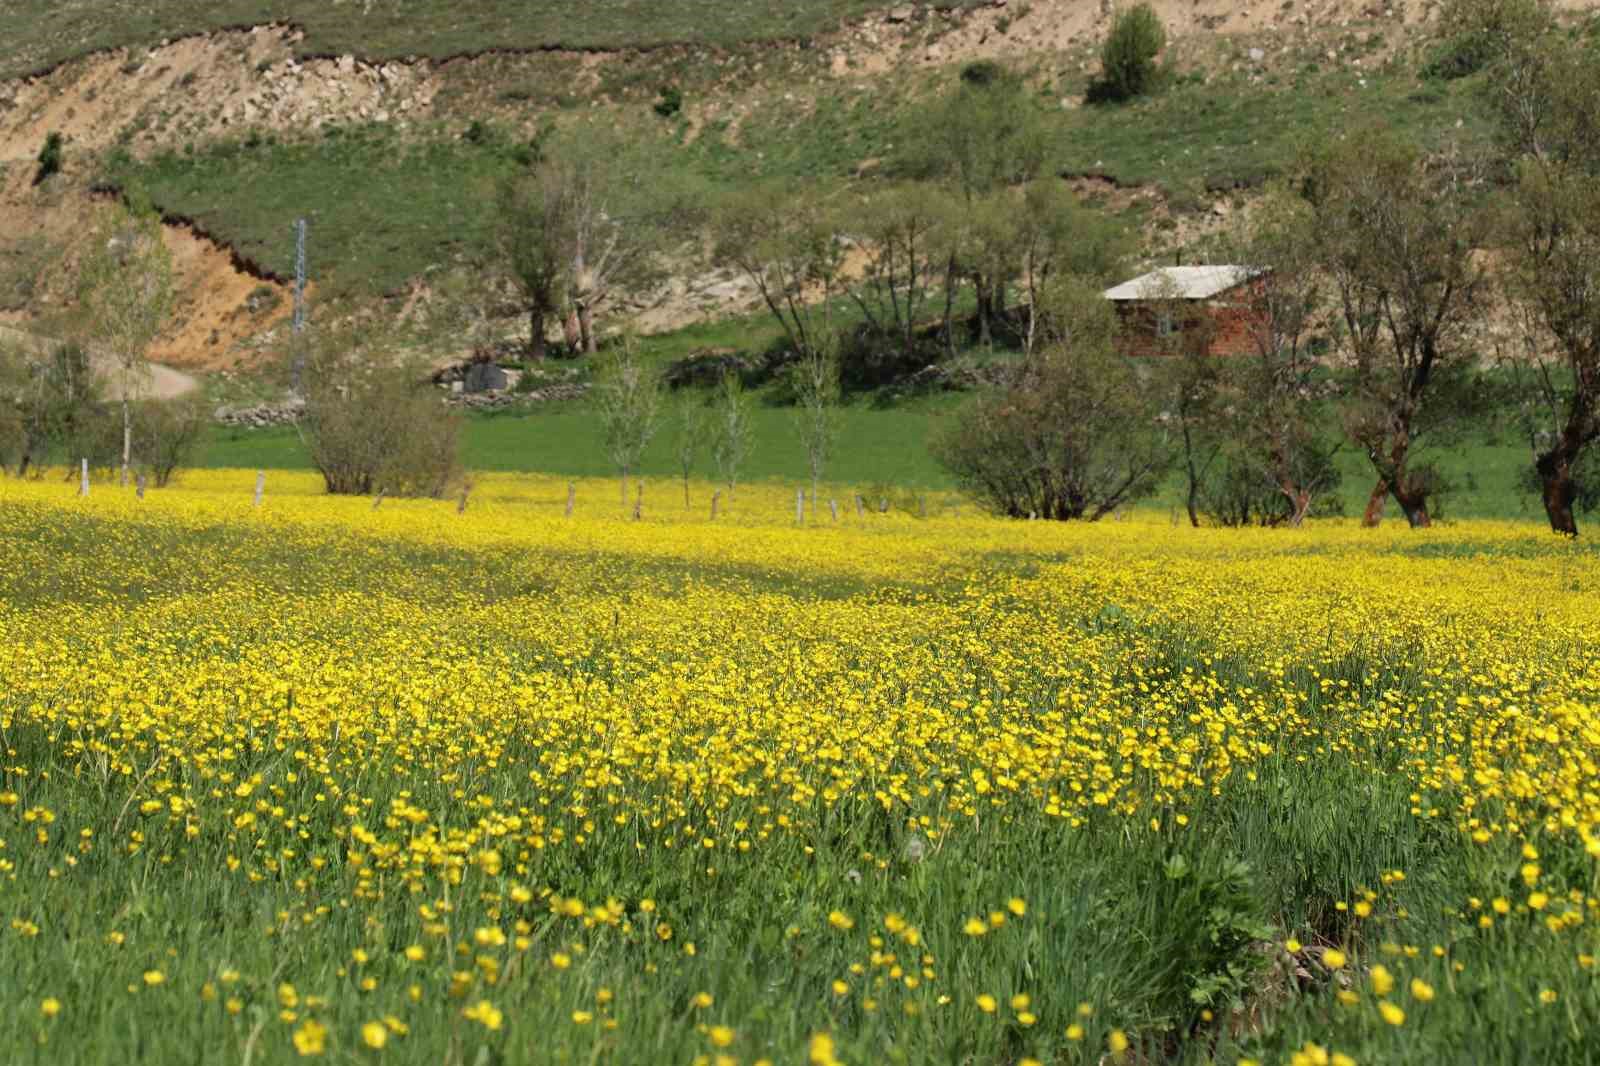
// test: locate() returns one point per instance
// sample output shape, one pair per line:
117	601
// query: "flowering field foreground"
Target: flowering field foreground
409	785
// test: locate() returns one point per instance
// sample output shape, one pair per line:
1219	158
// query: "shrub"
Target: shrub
1072	437
1128	59
166	434
1238	490
49	158
669	101
372	426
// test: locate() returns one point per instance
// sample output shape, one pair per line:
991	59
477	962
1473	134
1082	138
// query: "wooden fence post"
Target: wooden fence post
800	507
261	486
716	498
572	497
138	486
638	502
83	478
860	506
833	509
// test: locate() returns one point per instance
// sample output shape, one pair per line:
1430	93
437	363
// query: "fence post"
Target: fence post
716	498
138	486
800	507
572	497
922	506
638	502
83	478
461	507
860	506
261	486
883	505
833	509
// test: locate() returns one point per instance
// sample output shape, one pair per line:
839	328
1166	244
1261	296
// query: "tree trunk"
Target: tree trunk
571	332
1558	489
949	307
537	348
586	327
1415	507
127	434
1375	503
686	491
985	310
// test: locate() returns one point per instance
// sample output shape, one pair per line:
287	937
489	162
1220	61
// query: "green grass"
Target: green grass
38	33
875	446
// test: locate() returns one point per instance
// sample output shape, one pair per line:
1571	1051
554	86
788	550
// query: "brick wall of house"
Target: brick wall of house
1223	324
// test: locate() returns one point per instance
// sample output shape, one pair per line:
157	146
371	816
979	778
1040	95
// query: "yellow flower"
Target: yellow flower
1074	1032
1547	996
311	1038
1117	1042
1017	906
841	920
50	1006
152	978
1382	980
1391	1013
1292	946
1421	991
561	960
1021	1001
1333	958
721	1035
702	1000
987	1003
416	953
1538	900
975	927
485	1014
582	1017
1026	1018
839	987
374	1035
820	1051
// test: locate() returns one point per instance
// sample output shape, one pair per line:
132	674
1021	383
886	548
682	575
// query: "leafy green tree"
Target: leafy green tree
816	383
732	434
786	242
533	238
1128	65
627	398
50	158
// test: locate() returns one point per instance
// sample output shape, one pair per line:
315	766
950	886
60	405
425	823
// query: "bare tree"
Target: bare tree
127	291
690	437
731	432
1398	234
816	385
901	231
627	395
785	241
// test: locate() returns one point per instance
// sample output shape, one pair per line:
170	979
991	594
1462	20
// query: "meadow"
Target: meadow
329	782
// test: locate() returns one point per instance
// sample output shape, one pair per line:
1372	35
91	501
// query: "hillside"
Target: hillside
246	115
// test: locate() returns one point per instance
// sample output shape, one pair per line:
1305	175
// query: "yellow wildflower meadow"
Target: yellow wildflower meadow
405	782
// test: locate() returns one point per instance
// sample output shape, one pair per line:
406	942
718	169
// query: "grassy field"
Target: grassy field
38	33
877	447
319	782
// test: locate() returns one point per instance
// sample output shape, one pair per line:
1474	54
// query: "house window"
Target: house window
1164	324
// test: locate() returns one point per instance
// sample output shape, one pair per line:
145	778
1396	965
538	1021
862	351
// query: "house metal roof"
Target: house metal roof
1181	282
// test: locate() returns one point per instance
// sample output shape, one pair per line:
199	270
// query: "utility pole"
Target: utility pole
299	300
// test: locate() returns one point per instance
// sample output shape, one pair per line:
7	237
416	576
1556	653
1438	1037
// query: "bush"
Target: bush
1128	59
166	434
669	101
1460	56
1238	490
373	428
49	158
1072	437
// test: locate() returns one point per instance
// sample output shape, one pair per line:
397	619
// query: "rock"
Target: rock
1257	55
902	13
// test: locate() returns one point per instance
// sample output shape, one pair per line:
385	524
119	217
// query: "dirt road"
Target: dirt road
162	383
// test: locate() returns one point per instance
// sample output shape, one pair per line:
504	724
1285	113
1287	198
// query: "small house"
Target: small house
1211	309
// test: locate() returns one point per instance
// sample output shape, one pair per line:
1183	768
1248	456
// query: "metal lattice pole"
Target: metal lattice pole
299	300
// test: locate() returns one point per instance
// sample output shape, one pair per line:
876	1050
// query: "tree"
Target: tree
49	159
127	290
816	384
167	432
980	139
1128	58
731	432
627	395
1057	236
785	241
1073	435
1398	234
58	408
533	235
901	234
1277	402
1190	379
689	438
1546	89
